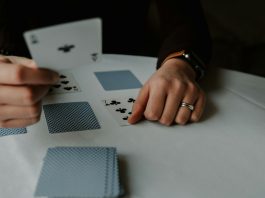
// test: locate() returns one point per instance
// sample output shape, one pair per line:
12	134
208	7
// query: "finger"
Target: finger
155	104
184	113
139	105
22	95
198	108
14	74
19	112
22	61
19	123
171	107
4	59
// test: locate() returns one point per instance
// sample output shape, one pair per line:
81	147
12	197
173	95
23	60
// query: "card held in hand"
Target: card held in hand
66	46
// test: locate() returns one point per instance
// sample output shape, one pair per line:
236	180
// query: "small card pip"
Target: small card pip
120	109
67	45
66	84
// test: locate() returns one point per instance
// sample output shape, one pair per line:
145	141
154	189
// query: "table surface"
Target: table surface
221	156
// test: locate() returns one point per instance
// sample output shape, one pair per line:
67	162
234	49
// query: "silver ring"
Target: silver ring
189	106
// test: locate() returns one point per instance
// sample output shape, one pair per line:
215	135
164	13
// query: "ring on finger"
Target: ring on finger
187	105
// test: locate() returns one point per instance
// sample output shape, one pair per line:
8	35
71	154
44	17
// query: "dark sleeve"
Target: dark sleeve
183	26
4	46
12	21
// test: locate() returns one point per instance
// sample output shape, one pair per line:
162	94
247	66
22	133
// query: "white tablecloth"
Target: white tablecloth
221	156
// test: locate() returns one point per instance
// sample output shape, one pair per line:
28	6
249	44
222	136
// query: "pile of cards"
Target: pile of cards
12	131
79	172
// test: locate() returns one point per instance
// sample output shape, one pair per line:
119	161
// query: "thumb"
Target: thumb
22	61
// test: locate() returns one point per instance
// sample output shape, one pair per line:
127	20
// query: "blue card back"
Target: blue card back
117	80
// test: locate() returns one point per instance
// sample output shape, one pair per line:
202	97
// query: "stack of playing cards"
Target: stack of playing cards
79	172
12	131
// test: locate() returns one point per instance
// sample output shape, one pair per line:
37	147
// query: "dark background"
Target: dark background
237	28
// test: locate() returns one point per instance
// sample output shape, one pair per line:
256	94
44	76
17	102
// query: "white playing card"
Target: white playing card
120	108
66	84
67	45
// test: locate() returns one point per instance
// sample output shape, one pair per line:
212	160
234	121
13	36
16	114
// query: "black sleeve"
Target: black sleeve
183	26
12	21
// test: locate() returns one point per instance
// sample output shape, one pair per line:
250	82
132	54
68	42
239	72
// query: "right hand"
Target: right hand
22	86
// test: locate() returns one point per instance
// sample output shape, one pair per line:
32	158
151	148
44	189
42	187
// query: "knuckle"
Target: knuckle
162	82
165	121
4	124
28	96
151	115
34	111
18	74
182	120
3	59
35	119
177	88
195	118
176	83
181	85
193	88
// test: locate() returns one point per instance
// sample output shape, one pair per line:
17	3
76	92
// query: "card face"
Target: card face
73	116
67	45
66	84
117	80
79	172
12	131
120	109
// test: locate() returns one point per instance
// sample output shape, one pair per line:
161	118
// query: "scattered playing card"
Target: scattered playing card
66	84
79	172
120	109
12	131
67	45
116	80
73	116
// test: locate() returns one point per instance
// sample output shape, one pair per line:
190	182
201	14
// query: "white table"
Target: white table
222	156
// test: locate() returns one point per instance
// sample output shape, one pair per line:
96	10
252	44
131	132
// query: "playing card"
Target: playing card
12	131
113	189
79	172
72	116
120	108
67	45
66	84
117	80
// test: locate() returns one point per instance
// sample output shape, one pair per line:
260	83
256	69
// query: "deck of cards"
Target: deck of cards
80	172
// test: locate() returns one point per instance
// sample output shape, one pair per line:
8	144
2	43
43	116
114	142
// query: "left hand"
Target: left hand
161	96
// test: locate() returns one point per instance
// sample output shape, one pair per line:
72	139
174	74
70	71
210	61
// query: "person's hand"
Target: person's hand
22	86
161	96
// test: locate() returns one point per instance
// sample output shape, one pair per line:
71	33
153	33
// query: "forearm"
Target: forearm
184	27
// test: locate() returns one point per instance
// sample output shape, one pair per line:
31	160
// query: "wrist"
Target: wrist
180	66
195	63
